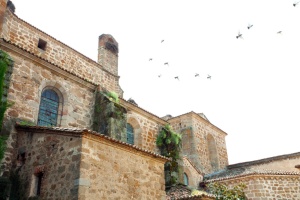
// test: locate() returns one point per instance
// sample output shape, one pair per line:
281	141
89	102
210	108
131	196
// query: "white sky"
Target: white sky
253	94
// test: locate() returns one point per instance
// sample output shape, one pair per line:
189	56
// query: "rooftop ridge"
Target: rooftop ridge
85	130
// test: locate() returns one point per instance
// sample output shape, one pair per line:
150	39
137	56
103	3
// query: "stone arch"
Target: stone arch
137	130
63	100
212	152
185	178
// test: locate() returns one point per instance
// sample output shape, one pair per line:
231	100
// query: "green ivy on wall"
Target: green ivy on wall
5	62
109	116
169	143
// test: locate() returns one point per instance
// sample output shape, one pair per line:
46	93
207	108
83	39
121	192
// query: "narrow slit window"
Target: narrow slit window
42	44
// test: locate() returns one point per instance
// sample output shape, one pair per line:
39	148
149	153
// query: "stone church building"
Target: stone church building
73	136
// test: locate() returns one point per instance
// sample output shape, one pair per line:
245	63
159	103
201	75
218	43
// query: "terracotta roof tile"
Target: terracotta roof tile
181	192
230	174
85	79
84	130
265	160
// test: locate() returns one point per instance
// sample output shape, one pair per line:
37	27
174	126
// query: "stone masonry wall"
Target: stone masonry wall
110	170
202	130
58	156
269	187
26	36
27	82
145	130
194	177
195	142
287	164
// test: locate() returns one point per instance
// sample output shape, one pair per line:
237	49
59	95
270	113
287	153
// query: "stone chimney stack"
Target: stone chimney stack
108	50
2	13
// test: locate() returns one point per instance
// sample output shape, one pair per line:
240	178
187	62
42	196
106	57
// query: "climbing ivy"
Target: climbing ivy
169	143
5	62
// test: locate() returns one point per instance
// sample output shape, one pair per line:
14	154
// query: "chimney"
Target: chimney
108	50
2	13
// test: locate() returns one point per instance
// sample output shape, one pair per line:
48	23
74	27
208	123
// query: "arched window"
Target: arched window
212	151
48	111
185	179
130	135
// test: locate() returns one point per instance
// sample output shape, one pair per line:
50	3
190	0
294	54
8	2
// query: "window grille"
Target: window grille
48	108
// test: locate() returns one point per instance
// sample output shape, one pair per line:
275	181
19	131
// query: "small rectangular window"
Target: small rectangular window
42	44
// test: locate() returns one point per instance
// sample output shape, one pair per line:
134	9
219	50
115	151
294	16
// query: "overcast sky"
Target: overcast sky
253	94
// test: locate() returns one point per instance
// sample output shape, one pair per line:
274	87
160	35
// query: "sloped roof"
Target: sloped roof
244	169
82	131
264	160
183	192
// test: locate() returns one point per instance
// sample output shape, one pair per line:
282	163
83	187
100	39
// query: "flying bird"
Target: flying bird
166	63
176	77
249	26
162	41
196	75
159	76
239	36
150	59
208	76
295	4
279	32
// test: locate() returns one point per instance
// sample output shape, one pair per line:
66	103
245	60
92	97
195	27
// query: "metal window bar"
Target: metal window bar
48	108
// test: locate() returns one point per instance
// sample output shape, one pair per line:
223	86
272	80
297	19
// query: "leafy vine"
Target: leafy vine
169	143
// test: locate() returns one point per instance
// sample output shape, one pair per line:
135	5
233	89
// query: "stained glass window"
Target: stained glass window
48	108
130	135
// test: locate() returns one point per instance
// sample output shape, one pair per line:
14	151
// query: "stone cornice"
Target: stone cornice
5	45
139	110
195	115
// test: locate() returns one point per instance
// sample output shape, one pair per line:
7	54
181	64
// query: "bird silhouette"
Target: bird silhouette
239	36
166	63
208	76
249	26
196	75
295	4
159	76
176	77
150	59
279	32
162	41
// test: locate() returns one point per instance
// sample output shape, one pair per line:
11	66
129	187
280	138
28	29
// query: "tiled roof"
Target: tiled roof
197	197
178	191
242	172
265	160
81	131
89	59
245	169
181	192
87	80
